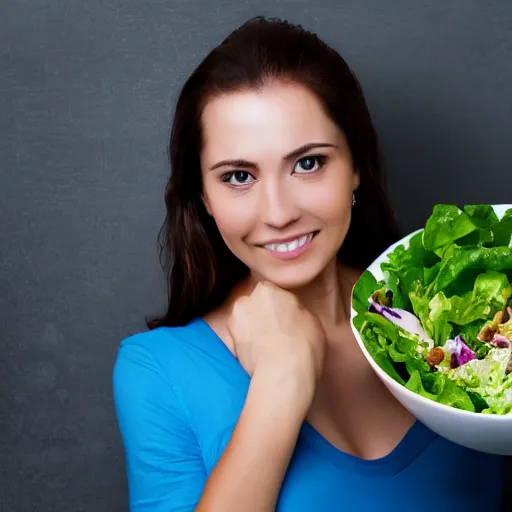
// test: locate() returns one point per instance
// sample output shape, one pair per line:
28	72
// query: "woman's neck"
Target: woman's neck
328	296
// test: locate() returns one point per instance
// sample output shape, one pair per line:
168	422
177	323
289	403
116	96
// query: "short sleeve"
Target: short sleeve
164	464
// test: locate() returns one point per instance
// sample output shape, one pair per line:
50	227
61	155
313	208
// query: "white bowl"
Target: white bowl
482	432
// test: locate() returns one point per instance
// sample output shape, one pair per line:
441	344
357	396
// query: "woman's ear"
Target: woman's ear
356	182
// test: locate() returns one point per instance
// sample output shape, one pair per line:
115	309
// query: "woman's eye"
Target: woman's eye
309	164
237	178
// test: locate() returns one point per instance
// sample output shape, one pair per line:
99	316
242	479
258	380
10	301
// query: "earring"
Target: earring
353	198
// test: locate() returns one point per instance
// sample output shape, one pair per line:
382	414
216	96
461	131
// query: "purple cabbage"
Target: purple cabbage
500	341
461	353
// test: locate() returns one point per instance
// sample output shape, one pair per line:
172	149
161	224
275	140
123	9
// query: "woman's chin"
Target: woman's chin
291	279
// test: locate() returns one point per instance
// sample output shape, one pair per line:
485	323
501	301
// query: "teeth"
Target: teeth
305	238
290	246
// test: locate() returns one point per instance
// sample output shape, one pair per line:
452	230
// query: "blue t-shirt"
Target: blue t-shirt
178	395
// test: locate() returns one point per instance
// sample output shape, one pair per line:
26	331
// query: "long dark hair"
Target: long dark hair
200	269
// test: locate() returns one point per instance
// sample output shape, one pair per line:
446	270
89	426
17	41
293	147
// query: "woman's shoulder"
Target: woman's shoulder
170	348
166	336
178	367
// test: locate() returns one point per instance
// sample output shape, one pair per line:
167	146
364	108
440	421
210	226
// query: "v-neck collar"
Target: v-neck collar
417	438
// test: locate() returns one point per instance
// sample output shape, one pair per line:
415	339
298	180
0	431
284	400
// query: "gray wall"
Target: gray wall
86	92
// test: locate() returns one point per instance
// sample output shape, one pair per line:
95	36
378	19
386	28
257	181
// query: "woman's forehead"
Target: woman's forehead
275	119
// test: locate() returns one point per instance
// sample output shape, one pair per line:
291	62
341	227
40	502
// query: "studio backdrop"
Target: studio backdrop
87	90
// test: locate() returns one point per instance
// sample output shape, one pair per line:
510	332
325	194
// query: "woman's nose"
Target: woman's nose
278	207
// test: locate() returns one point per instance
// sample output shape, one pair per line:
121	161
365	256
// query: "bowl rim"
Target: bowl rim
443	408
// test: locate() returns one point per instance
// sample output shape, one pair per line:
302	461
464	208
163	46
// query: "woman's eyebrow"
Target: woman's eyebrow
306	148
234	163
245	164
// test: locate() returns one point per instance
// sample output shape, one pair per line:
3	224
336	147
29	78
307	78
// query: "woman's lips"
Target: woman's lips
291	249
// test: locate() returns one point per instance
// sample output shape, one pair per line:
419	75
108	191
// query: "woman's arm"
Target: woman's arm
249	474
164	462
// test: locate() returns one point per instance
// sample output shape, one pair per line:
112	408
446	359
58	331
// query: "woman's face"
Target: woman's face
278	180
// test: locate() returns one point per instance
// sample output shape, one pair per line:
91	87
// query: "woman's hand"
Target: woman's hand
276	336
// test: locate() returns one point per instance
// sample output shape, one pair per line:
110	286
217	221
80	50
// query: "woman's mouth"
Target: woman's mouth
292	248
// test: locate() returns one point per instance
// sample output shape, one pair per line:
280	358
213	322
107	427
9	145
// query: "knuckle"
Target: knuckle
264	287
238	305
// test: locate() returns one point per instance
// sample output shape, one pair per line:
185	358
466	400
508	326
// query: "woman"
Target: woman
250	393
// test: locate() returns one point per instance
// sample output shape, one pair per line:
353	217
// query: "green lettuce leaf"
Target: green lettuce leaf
394	350
492	287
408	268
374	340
439	317
462	265
446	225
439	314
440	388
503	235
486	222
363	290
488	377
420	307
478	401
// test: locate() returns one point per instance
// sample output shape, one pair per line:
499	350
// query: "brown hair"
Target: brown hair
201	270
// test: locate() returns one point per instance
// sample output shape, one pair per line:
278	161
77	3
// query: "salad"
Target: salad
440	322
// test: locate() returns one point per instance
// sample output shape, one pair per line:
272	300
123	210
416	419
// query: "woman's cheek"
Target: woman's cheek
233	221
332	203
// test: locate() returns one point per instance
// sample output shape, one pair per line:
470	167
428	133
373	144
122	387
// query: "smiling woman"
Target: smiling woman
250	392
245	84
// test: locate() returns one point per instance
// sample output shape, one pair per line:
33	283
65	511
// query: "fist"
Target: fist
272	330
